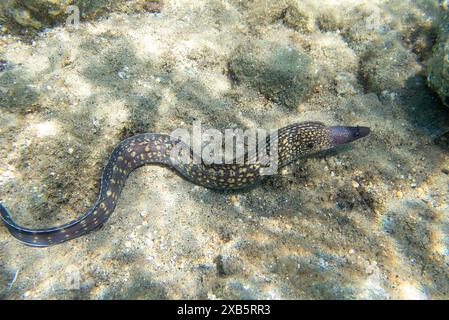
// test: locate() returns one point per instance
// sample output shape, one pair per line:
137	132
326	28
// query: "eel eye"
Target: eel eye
357	132
310	145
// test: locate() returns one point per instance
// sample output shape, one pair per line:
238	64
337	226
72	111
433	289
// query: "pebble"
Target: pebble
235	200
355	184
70	151
122	75
128	244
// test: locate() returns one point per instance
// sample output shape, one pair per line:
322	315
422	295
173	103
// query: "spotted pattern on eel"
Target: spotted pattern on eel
293	141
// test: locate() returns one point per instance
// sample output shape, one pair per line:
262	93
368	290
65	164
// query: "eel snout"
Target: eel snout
341	134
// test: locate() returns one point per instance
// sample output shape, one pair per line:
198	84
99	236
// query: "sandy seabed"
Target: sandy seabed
366	221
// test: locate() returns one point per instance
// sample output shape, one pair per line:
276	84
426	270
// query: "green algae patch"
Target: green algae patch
438	66
16	93
388	65
280	73
300	17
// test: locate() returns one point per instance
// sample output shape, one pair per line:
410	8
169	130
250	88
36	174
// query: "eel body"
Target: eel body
291	143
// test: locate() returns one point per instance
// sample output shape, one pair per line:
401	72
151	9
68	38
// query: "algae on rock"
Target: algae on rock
281	73
388	65
438	65
31	16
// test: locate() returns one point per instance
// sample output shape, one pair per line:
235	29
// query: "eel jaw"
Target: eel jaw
339	135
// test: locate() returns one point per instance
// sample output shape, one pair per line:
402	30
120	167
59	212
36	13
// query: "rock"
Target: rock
35	14
345	83
328	50
152	6
228	265
15	92
388	65
280	72
31	16
298	15
364	24
438	65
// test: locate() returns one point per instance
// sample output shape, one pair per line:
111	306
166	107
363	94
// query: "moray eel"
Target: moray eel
292	142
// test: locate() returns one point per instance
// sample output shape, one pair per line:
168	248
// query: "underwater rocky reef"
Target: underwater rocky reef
365	221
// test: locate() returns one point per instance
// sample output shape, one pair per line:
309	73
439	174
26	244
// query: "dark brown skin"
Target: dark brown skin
292	142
